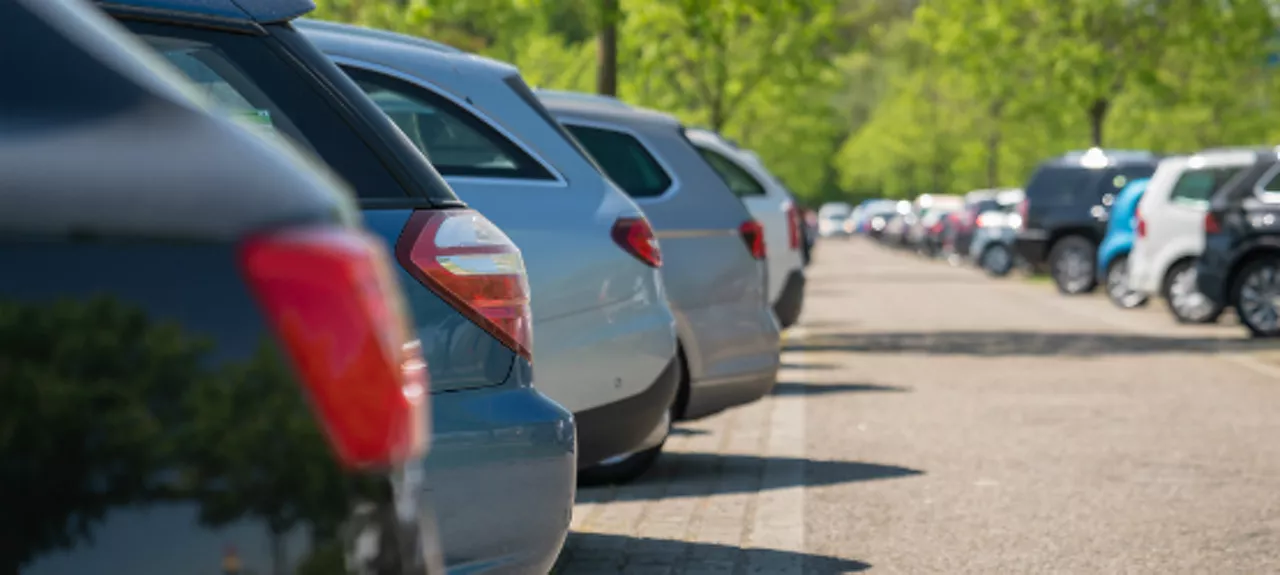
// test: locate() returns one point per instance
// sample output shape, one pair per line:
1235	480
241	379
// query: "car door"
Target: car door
768	209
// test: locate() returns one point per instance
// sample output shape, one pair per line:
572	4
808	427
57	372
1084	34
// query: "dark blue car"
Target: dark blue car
502	466
203	364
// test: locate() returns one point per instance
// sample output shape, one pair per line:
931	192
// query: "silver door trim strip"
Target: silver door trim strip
680	234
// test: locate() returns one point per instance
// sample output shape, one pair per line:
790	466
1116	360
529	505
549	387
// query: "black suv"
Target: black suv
174	290
1064	214
1240	265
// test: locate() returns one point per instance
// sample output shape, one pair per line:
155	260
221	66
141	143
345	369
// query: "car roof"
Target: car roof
604	109
1231	155
1100	157
256	11
308	24
400	51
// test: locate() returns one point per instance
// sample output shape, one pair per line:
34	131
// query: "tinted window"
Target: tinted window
246	77
1058	185
737	178
455	141
625	160
1195	187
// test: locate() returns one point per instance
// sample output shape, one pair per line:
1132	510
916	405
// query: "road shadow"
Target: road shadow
605	553
1025	343
683	474
797	388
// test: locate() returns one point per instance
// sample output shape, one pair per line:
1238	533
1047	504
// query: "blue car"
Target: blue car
1113	253
503	457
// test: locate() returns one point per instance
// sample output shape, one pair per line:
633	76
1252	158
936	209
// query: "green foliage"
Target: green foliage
852	98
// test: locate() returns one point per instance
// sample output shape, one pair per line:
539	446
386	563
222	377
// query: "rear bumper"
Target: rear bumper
501	476
1212	282
790	300
1032	249
709	397
624	426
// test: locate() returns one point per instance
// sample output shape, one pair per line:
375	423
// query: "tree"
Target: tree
712	56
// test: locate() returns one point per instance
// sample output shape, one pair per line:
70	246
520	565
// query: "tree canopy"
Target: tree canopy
857	98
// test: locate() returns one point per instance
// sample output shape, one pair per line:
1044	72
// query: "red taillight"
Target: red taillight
332	300
635	235
1141	226
753	234
1211	225
937	228
793	226
472	265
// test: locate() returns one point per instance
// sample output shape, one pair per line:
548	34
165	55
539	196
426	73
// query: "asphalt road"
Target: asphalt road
932	420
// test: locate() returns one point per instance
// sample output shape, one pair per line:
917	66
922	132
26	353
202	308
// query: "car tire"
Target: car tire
1253	292
997	260
1071	264
1118	285
1182	298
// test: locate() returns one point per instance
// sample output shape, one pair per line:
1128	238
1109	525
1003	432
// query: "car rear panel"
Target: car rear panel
151	424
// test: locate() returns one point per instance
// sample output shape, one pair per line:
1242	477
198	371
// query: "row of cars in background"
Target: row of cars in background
280	287
1199	231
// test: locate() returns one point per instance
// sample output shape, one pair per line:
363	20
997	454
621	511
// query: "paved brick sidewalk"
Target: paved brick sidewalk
726	497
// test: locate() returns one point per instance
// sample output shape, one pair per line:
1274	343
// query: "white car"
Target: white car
770	204
1169	230
831	217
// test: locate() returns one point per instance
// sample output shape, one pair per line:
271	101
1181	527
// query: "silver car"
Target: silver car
605	339
713	251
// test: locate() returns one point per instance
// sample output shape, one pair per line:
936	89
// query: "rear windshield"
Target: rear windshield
1195	187
1059	185
625	160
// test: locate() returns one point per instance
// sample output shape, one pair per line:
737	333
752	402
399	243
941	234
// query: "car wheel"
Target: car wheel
1118	285
1071	265
997	260
1185	301
1257	296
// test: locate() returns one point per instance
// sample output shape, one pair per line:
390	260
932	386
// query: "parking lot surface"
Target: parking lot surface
931	420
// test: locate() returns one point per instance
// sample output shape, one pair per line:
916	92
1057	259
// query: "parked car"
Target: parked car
503	466
607	342
713	250
831	217
976	204
775	209
992	246
1240	265
896	228
176	289
1114	262
878	218
1065	211
870	210
1171	229
929	209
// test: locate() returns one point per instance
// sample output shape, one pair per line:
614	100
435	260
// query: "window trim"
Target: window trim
1260	187
648	146
558	180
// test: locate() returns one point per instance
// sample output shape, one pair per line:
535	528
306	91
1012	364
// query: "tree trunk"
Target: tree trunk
993	144
607	49
1097	117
